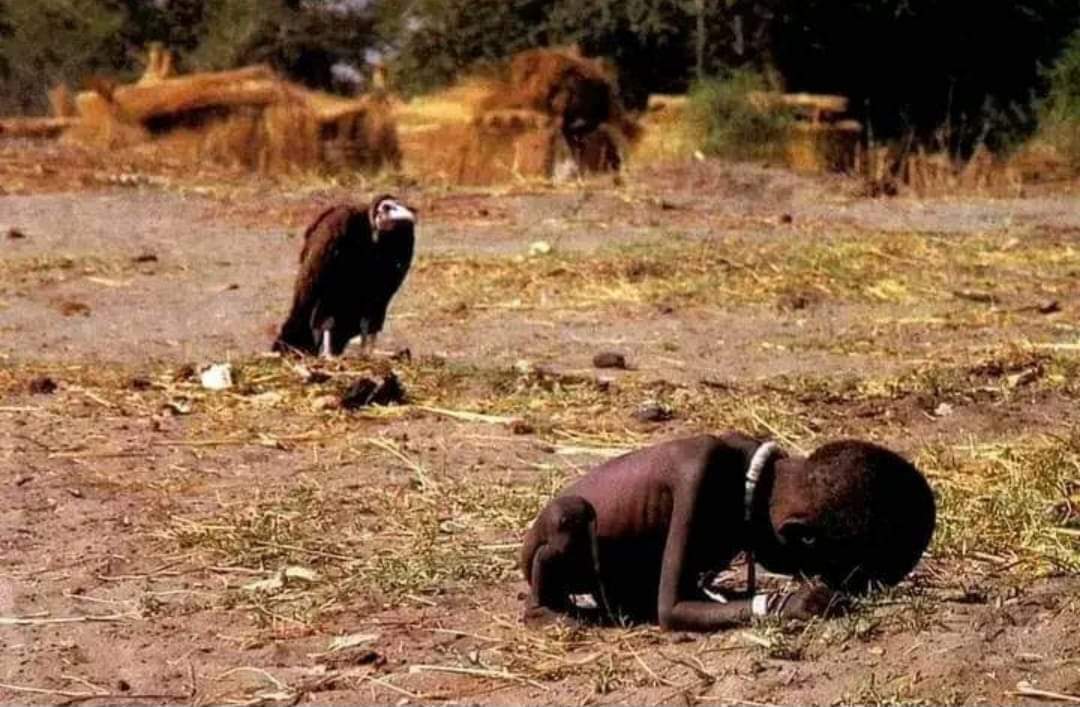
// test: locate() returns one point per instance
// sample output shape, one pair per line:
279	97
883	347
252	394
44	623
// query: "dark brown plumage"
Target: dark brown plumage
352	262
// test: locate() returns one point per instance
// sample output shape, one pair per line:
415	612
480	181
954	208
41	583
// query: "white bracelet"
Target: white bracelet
760	605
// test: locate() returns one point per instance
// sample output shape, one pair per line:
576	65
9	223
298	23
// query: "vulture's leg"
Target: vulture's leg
372	338
325	351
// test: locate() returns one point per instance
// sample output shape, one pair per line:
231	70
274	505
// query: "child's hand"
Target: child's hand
812	600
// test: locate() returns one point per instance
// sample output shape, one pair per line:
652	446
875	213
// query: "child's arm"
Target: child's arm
676	612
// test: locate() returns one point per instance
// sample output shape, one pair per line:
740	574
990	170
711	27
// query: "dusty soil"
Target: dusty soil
137	510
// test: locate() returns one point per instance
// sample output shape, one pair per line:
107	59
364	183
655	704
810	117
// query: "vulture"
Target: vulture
352	262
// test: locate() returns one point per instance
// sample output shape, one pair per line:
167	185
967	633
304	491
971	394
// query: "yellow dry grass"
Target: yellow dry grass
489	131
246	118
665	132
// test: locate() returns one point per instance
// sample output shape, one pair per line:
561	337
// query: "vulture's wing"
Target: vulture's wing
316	226
337	232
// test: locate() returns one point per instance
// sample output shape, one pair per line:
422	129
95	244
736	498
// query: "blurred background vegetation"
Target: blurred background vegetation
946	74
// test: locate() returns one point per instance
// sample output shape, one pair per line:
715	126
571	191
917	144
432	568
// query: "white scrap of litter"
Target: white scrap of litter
943	410
539	248
281	578
217	377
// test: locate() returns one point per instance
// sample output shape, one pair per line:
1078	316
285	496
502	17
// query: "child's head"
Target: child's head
853	513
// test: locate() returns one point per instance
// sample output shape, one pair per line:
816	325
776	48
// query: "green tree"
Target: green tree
946	73
1060	119
434	40
303	41
49	41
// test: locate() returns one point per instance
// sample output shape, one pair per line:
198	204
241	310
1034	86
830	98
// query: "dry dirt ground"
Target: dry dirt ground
260	545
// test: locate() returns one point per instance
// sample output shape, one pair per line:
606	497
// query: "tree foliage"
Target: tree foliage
948	73
49	41
943	72
303	41
45	42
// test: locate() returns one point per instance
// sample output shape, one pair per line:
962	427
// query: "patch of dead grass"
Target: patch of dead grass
1012	503
902	268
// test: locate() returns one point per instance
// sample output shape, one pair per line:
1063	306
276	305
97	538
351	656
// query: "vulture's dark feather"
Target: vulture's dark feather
349	271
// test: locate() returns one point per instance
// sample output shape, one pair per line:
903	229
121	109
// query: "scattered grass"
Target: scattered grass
730	126
1014	501
374	547
424	529
427	526
47	269
898	268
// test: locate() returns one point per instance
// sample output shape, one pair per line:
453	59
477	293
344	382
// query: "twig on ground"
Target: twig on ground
1026	689
76	697
467	416
478	672
24	621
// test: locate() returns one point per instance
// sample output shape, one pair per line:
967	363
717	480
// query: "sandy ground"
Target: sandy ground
114	283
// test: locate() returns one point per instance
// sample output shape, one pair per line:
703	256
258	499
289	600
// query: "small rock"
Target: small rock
402	354
1049	306
15	234
184	373
317	377
43	385
794	301
145	258
521	427
366	391
653	411
524	367
71	308
23	480
140	383
359	394
354	656
123	685
786	218
609	359
76	493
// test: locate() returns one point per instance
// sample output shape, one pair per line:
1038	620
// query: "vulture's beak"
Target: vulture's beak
390	213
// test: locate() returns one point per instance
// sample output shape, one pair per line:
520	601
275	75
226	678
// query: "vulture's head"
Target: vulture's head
389	215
